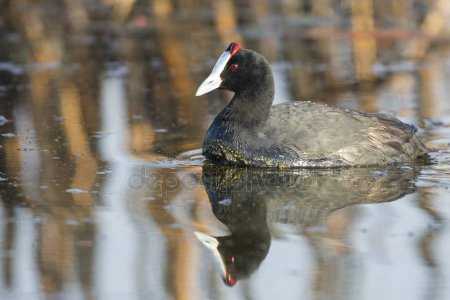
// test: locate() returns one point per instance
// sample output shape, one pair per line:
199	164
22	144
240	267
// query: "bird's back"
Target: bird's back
317	132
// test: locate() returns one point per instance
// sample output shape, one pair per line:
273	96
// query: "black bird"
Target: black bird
250	131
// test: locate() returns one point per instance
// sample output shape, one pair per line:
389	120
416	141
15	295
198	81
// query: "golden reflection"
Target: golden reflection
323	8
121	8
45	46
177	66
56	255
78	15
143	137
368	99
180	248
142	133
364	43
12	156
162	8
430	75
86	166
226	23
435	22
62	53
426	243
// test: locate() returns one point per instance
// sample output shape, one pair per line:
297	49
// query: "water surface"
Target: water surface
103	193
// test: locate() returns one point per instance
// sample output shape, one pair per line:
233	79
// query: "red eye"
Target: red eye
234	67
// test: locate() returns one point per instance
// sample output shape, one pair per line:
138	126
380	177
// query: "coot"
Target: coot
249	131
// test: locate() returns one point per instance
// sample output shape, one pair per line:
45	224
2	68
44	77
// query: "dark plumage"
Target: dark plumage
250	131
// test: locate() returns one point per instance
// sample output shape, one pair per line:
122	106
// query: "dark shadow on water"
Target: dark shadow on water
248	200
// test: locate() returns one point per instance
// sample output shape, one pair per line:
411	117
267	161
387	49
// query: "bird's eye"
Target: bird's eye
234	67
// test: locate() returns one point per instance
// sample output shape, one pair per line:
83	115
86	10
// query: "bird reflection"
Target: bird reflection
248	200
244	213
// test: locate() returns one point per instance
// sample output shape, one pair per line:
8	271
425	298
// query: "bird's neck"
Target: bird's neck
250	107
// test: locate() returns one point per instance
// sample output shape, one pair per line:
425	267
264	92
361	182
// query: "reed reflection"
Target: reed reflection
72	225
248	201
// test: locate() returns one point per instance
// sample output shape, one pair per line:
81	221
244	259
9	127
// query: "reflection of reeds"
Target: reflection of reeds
64	70
85	164
330	249
429	240
180	249
435	22
121	8
432	95
162	8
426	242
142	134
364	44
56	96
226	24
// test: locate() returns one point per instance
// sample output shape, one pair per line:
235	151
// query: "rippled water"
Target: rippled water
104	193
